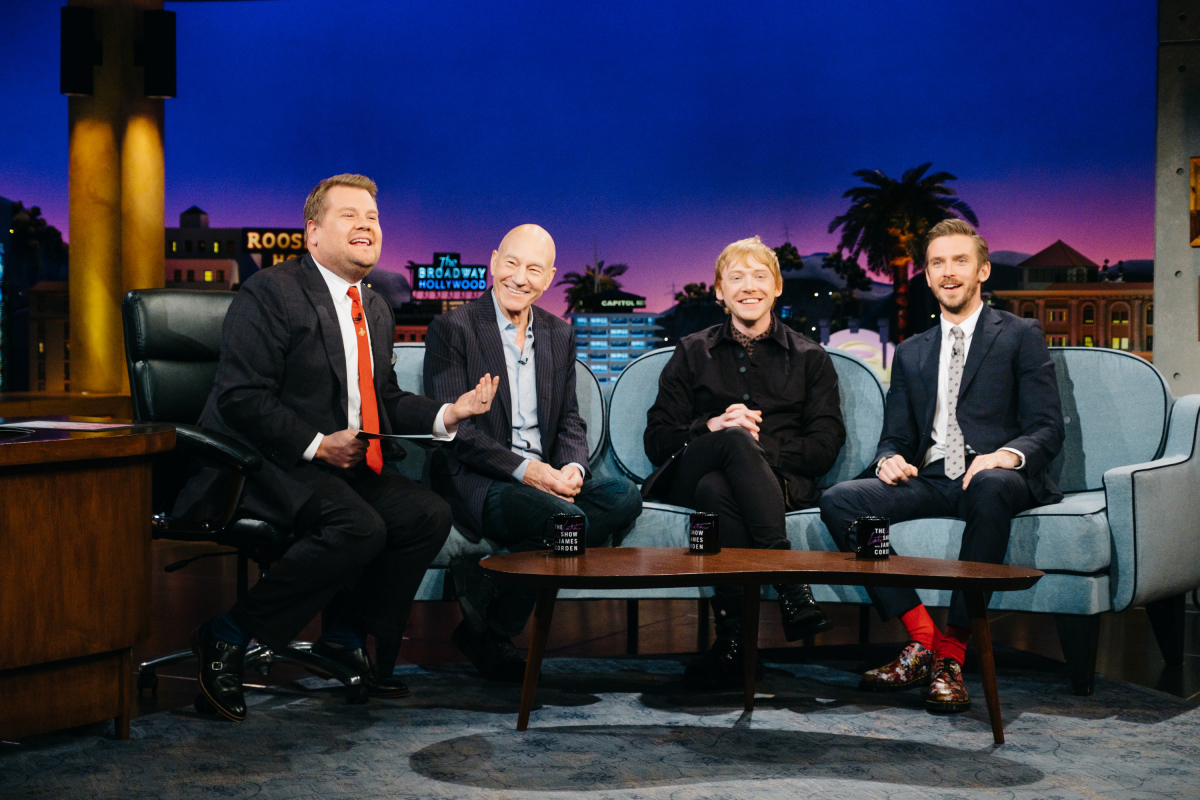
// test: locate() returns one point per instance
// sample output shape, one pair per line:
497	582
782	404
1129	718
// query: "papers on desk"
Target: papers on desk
364	436
57	425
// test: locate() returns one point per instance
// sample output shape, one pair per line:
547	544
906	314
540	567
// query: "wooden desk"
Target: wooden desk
667	567
74	573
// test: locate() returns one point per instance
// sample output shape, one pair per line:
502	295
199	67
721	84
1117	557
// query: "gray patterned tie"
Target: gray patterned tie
956	456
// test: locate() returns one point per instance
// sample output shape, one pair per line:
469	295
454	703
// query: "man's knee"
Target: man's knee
713	493
999	488
362	533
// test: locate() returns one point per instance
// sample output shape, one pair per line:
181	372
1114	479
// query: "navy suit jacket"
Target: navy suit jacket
460	347
282	379
1008	398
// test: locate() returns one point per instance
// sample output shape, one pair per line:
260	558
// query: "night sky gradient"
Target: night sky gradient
658	131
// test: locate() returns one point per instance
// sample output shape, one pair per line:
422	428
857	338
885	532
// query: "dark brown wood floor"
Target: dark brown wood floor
185	598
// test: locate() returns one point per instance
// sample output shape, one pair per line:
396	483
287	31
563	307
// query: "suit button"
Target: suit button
741	355
741	369
745	397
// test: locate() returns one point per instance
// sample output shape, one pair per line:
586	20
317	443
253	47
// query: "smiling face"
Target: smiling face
522	269
954	273
348	239
748	289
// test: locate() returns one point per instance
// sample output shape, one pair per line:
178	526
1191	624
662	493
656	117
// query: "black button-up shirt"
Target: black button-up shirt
787	377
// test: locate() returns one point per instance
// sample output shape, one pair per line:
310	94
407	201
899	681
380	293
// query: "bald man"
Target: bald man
510	470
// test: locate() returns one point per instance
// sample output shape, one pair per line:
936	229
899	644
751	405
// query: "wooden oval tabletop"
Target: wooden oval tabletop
22	445
667	567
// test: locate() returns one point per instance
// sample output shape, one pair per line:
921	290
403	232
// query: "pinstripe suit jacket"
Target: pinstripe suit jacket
282	379
460	347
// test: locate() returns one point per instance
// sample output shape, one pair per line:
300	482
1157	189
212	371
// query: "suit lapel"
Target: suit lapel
543	361
930	357
488	332
318	293
986	331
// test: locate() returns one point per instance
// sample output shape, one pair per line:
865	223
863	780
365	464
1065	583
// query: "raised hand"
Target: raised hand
475	402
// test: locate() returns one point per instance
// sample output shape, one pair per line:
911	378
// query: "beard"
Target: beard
963	305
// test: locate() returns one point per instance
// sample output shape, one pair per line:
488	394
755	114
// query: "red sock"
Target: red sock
954	644
921	628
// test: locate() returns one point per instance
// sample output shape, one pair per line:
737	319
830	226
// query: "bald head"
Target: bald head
522	269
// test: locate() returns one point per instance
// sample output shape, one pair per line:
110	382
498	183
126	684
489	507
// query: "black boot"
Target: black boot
801	615
378	682
220	676
723	666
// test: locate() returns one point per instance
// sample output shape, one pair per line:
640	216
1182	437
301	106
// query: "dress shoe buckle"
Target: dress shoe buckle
216	666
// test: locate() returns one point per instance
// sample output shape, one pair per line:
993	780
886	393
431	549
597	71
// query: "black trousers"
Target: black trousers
372	535
726	472
988	505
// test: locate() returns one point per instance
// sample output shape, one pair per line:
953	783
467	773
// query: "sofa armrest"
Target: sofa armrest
1153	514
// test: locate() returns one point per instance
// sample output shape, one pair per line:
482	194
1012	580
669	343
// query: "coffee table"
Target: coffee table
667	567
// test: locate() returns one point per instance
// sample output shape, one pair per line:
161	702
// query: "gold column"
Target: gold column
116	190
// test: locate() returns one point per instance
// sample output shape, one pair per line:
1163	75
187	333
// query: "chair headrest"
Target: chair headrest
174	324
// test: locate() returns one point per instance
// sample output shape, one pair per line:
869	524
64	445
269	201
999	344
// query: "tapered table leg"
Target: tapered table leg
542	614
977	611
750	604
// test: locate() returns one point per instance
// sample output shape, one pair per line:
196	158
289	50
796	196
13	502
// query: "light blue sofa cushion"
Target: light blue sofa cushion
1115	409
862	401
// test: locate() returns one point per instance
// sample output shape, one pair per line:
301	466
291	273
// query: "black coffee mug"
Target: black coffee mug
704	534
870	537
566	534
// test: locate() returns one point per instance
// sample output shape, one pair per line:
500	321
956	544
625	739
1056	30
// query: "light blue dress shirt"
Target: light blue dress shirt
522	389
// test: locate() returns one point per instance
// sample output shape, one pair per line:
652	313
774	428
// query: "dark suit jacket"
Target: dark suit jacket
460	347
1009	397
282	379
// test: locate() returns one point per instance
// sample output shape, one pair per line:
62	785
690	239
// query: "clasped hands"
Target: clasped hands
564	483
896	470
343	449
737	416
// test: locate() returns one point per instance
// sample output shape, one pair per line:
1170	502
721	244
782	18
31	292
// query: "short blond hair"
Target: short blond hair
743	250
954	227
318	199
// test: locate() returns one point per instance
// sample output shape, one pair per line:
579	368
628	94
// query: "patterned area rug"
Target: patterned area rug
625	729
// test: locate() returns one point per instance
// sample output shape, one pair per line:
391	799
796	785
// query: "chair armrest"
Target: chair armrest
1153	509
224	450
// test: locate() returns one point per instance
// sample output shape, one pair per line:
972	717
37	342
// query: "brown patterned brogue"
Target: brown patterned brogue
947	692
911	668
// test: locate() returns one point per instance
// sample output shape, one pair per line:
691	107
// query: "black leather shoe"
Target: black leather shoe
494	656
356	659
801	615
722	667
220	676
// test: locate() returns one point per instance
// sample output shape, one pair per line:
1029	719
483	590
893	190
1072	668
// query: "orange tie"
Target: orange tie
366	385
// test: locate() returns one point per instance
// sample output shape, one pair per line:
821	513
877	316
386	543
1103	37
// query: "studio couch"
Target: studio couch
1126	535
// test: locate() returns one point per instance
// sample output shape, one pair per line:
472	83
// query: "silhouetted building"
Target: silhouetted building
1114	315
1058	263
200	257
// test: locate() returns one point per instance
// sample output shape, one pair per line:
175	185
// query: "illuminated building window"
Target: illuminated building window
1088	342
191	275
216	247
1058	341
1120	343
1120	316
1089	316
174	247
208	276
178	275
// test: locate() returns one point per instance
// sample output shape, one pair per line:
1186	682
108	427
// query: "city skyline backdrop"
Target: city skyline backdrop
654	134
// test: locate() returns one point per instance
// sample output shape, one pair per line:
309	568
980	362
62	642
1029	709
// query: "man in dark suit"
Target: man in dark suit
306	362
525	460
973	421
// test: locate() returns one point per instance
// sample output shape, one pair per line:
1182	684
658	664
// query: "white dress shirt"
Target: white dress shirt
339	287
941	416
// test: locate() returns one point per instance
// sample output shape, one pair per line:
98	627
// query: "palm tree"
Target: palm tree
888	218
593	279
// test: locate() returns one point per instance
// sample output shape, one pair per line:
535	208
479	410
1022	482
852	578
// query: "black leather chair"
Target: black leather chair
172	347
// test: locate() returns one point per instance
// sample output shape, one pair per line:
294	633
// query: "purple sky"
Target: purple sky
659	132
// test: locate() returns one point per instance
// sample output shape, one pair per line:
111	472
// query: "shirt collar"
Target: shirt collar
504	322
967	325
776	332
338	286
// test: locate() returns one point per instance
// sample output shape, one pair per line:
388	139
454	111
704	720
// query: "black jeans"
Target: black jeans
726	472
988	505
516	515
374	535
